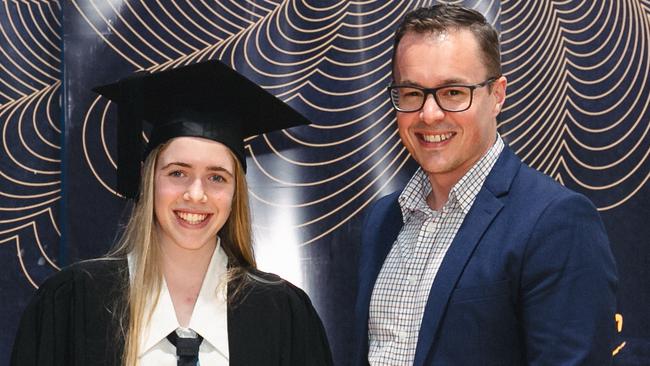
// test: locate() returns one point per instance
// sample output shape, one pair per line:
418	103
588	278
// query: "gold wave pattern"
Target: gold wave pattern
30	165
576	69
579	93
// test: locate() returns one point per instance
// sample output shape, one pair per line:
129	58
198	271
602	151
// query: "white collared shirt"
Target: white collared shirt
209	319
401	291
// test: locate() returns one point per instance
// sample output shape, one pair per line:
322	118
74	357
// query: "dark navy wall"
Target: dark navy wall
577	110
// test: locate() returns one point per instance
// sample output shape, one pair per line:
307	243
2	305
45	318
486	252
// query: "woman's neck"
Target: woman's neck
184	271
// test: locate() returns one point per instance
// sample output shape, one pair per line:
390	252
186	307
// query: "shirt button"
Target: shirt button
401	336
412	279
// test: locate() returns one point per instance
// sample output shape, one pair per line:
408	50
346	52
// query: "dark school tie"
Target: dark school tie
187	349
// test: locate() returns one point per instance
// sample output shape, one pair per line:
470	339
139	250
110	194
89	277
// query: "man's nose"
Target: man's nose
431	111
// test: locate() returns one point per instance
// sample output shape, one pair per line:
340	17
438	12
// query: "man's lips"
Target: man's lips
435	137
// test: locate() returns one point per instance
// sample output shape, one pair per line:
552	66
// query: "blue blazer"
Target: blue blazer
528	280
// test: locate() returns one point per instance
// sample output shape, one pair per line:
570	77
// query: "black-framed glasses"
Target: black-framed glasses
450	98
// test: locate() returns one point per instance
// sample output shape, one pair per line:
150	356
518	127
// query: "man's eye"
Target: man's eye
411	93
454	92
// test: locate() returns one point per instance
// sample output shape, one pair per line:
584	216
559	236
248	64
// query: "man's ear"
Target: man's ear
499	92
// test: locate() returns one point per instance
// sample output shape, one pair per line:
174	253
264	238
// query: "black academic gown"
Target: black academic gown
73	319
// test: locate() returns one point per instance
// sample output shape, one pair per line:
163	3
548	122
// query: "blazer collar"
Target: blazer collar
485	208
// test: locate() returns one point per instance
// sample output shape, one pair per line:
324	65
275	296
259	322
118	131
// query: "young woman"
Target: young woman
181	288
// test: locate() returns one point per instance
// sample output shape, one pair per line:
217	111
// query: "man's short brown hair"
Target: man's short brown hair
444	17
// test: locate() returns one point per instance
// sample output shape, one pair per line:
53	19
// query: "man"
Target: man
479	260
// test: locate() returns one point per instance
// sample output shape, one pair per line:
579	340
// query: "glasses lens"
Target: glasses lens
454	98
407	99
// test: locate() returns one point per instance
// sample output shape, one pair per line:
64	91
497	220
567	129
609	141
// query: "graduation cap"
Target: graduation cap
207	99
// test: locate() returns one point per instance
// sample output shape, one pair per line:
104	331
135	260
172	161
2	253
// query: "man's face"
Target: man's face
447	144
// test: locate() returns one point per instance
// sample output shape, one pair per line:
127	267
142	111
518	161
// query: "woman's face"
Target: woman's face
193	192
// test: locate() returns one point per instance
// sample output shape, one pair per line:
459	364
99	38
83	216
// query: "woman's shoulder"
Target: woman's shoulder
274	288
102	271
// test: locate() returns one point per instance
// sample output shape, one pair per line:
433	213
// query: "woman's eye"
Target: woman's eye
176	173
217	179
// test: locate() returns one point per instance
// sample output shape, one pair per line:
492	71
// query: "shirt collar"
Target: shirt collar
209	317
464	192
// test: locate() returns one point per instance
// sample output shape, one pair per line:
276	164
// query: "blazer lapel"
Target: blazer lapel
381	230
485	208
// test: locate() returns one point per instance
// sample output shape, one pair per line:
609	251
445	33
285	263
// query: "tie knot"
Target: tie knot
185	347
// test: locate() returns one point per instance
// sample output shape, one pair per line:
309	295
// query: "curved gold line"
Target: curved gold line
101	130
552	148
397	18
20	260
208	20
531	31
617	162
21	56
41	249
35	118
14	77
45	37
191	20
14	209
530	77
351	122
382	80
340	190
98	33
234	14
29	216
22	140
54	17
5	145
357	194
361	207
556	98
320	182
341	157
596	33
536	131
316	20
612	70
85	149
624	137
584	15
119	35
606	186
54	225
226	20
28	184
154	34
31	196
326	8
47	111
136	33
304	31
626	198
28	30
164	10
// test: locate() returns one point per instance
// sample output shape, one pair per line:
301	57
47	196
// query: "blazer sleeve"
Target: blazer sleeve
568	287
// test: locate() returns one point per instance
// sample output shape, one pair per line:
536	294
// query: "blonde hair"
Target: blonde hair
139	241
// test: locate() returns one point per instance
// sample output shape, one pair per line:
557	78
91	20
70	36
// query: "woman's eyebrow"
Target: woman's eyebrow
212	168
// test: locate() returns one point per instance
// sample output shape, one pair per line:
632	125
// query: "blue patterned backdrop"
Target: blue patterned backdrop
577	110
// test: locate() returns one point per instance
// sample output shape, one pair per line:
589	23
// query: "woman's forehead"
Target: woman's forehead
196	151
